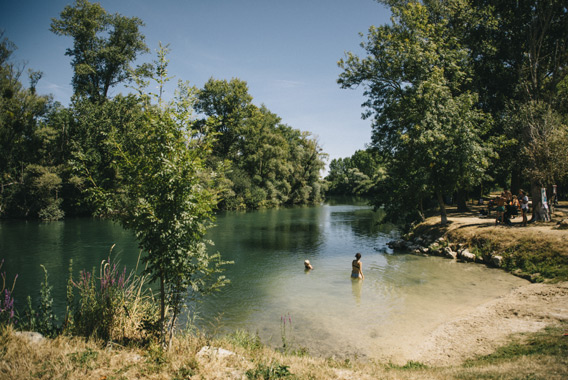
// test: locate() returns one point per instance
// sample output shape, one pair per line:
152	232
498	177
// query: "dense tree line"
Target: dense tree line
52	155
161	168
465	96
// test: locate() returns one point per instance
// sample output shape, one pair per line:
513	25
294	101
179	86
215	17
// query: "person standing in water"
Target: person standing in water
357	267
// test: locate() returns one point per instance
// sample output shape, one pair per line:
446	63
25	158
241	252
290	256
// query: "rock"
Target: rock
496	261
220	353
397	244
466	255
30	336
449	253
434	249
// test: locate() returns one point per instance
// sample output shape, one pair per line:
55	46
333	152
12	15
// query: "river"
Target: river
402	298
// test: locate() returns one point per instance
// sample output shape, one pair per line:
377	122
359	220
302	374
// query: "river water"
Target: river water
402	298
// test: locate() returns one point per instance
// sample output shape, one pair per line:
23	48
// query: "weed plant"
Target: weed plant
7	311
115	306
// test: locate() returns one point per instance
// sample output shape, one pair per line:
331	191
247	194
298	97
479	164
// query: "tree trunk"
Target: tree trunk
162	312
421	210
539	212
442	205
461	200
515	180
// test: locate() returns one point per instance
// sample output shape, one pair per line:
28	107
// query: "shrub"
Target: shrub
114	306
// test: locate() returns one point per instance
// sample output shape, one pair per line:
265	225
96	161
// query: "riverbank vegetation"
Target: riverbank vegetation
53	154
538	253
537	355
464	97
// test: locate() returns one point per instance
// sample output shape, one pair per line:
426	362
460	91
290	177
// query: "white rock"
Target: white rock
449	253
214	351
466	255
496	260
30	336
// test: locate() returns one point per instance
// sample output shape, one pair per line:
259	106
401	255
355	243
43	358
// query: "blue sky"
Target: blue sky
287	52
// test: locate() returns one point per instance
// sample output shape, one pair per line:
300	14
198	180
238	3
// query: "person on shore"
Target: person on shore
501	208
357	267
307	265
524	201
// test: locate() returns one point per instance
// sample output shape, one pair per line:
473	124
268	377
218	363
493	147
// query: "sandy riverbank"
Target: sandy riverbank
528	308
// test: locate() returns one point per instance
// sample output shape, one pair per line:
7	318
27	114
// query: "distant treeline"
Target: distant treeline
51	155
463	97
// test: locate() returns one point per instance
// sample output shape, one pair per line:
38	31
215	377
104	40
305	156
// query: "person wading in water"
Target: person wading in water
357	267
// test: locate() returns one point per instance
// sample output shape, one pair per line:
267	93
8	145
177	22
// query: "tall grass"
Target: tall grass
109	304
115	306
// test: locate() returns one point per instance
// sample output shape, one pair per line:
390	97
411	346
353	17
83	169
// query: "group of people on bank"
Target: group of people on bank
509	205
356	267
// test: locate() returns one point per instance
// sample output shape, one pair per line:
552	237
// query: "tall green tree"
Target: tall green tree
104	47
162	198
426	122
230	104
269	163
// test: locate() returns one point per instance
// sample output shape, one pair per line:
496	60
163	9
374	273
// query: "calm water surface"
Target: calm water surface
402	298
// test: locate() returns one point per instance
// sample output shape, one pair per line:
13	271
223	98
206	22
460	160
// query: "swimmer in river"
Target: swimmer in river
357	267
307	265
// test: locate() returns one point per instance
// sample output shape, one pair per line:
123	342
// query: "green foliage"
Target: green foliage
426	124
266	163
104	46
355	175
272	371
114	306
46	318
165	200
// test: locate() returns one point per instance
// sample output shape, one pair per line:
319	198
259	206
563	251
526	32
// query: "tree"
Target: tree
230	104
163	199
520	58
28	181
355	175
104	46
266	163
426	123
544	154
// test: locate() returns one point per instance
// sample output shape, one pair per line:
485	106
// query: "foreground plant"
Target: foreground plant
165	199
114	306
7	311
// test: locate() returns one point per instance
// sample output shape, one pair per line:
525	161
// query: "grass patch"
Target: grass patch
411	365
550	342
272	371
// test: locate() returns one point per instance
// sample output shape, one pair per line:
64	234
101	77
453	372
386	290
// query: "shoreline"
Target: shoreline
526	309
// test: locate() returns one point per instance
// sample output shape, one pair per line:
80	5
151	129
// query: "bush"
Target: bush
114	306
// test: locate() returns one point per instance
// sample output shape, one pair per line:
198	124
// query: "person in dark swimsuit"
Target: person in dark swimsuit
357	267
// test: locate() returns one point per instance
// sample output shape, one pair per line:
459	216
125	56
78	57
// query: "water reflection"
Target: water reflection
356	287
